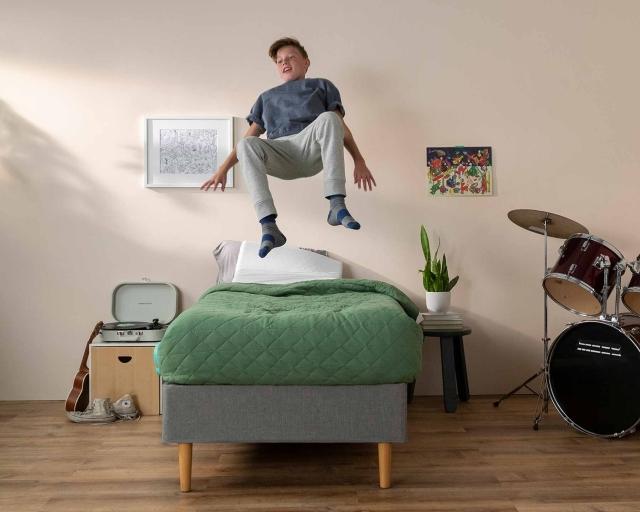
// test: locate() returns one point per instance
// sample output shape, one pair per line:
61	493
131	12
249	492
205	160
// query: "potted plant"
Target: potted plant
435	277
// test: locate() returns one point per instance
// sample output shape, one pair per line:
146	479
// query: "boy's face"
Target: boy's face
291	64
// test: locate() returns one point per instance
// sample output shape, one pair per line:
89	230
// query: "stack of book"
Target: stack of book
441	321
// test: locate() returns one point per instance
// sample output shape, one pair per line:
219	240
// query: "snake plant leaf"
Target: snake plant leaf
435	276
424	240
445	272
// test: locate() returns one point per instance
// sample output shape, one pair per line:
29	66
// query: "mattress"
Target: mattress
326	332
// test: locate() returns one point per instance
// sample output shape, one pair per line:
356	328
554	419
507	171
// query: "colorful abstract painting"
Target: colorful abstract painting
460	170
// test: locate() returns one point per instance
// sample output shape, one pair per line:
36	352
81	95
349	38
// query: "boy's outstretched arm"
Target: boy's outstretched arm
361	174
220	176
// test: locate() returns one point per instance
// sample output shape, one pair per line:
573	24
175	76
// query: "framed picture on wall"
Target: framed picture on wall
185	152
460	171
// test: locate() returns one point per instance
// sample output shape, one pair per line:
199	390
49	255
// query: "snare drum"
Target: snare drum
575	282
631	294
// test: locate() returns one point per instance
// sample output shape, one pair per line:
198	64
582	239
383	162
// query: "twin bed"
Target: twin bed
303	356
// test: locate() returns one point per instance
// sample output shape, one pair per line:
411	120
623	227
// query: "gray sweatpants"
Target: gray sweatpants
319	146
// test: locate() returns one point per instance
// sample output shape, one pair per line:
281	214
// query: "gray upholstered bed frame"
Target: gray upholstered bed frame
284	414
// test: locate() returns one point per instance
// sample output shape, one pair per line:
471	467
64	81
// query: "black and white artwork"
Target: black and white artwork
186	152
190	151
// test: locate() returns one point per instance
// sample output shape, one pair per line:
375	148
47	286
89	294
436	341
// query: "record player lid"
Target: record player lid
144	301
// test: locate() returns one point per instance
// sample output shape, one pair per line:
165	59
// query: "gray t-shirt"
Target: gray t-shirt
288	108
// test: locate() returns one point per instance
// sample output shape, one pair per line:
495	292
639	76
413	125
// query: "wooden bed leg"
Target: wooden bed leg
384	464
184	461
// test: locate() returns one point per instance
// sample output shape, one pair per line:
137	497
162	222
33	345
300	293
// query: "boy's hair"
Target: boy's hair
286	41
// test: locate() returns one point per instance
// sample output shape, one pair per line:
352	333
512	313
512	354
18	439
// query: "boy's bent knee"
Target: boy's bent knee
246	143
330	116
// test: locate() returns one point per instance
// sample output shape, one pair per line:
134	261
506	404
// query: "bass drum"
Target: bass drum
594	376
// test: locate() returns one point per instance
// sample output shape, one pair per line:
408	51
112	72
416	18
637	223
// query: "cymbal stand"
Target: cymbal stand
542	407
543	395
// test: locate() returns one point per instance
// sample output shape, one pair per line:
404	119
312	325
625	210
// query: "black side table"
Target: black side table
455	385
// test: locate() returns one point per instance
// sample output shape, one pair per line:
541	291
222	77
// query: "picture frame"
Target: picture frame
460	171
185	152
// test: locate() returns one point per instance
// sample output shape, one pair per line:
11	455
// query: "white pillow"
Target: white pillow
283	265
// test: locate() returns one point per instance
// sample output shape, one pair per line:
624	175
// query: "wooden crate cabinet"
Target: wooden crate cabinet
118	368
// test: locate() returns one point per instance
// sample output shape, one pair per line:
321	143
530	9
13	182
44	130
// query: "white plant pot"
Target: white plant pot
438	302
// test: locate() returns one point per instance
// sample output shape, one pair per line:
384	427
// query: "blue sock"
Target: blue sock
268	218
338	213
271	235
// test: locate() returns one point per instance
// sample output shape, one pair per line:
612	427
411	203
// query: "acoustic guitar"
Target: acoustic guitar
78	398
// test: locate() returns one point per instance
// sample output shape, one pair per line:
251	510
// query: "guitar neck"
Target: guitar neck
85	356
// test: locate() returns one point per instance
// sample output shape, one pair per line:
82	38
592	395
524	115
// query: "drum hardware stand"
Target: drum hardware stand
603	262
542	406
620	268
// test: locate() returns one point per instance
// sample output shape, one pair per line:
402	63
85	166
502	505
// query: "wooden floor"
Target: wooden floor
479	458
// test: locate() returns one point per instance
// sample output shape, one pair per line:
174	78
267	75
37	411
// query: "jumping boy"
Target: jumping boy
306	133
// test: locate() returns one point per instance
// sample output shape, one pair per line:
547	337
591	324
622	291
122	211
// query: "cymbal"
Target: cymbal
557	225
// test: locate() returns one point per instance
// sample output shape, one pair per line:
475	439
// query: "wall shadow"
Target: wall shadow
65	246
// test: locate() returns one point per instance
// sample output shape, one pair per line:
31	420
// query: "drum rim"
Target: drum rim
560	410
580	283
602	241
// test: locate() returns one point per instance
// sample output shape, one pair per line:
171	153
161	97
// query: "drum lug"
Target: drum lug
602	262
572	268
585	246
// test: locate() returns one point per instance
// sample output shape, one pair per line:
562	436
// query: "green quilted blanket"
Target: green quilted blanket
327	332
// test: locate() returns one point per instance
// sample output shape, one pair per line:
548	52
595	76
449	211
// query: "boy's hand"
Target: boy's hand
362	176
219	178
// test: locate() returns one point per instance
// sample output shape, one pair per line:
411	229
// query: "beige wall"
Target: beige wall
551	86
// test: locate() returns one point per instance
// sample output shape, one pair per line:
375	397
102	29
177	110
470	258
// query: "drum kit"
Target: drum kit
591	371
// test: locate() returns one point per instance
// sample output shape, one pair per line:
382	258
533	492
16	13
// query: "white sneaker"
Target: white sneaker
125	408
100	411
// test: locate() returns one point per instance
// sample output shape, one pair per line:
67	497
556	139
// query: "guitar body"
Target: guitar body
78	399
